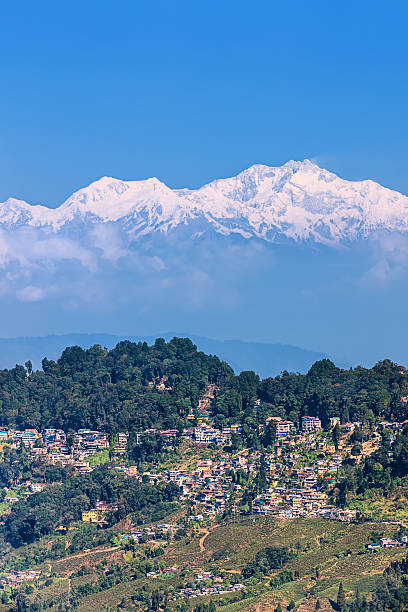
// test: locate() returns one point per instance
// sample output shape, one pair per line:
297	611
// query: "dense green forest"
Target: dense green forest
110	390
267	559
61	504
326	391
382	471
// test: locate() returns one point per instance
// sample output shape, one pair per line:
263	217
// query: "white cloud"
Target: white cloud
31	248
109	240
390	261
31	294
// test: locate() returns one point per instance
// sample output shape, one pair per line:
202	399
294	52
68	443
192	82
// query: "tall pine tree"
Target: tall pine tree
341	597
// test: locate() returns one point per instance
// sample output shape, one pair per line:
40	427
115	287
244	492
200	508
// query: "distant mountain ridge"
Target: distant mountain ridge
298	201
265	359
291	252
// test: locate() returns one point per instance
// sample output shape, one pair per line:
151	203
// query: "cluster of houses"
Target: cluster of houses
208	485
292	491
155	532
51	446
205	433
299	503
292	488
285	428
97	514
387	543
292	483
293	480
203	591
18	577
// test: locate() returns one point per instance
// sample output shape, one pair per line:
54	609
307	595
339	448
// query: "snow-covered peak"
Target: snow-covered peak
111	199
99	190
260	181
298	200
15	212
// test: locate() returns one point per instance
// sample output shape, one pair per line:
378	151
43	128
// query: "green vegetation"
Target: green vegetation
326	391
319	561
215	544
41	513
267	559
99	458
390	592
134	387
110	390
380	474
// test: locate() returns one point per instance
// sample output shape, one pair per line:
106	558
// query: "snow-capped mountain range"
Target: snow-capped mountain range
298	201
292	254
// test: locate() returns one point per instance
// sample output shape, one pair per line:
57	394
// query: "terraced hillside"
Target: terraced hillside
324	553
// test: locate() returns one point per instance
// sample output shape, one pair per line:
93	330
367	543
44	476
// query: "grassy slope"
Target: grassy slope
336	549
324	544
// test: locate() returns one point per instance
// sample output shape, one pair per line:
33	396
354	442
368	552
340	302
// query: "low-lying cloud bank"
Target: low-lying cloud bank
349	301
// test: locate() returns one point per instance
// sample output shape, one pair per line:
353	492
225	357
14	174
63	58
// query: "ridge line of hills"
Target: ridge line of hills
266	359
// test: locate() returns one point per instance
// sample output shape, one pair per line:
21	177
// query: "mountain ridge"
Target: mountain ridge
267	359
299	201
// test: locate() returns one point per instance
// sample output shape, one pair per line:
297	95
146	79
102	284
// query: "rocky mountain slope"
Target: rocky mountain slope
298	200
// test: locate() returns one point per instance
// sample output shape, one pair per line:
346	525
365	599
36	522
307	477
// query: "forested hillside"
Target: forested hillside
265	358
63	503
390	591
175	475
135	386
325	391
110	390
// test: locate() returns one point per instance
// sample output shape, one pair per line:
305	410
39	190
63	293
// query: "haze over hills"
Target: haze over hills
292	255
264	359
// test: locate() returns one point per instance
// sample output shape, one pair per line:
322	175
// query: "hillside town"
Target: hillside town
290	473
300	468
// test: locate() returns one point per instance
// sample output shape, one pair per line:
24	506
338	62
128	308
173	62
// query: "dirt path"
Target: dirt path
206	533
202	540
87	552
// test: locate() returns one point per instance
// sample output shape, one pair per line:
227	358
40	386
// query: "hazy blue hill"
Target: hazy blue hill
265	359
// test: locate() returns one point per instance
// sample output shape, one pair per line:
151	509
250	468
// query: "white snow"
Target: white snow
298	200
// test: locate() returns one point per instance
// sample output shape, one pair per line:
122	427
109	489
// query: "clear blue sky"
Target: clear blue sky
191	91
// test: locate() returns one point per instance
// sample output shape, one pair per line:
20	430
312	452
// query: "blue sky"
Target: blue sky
191	91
